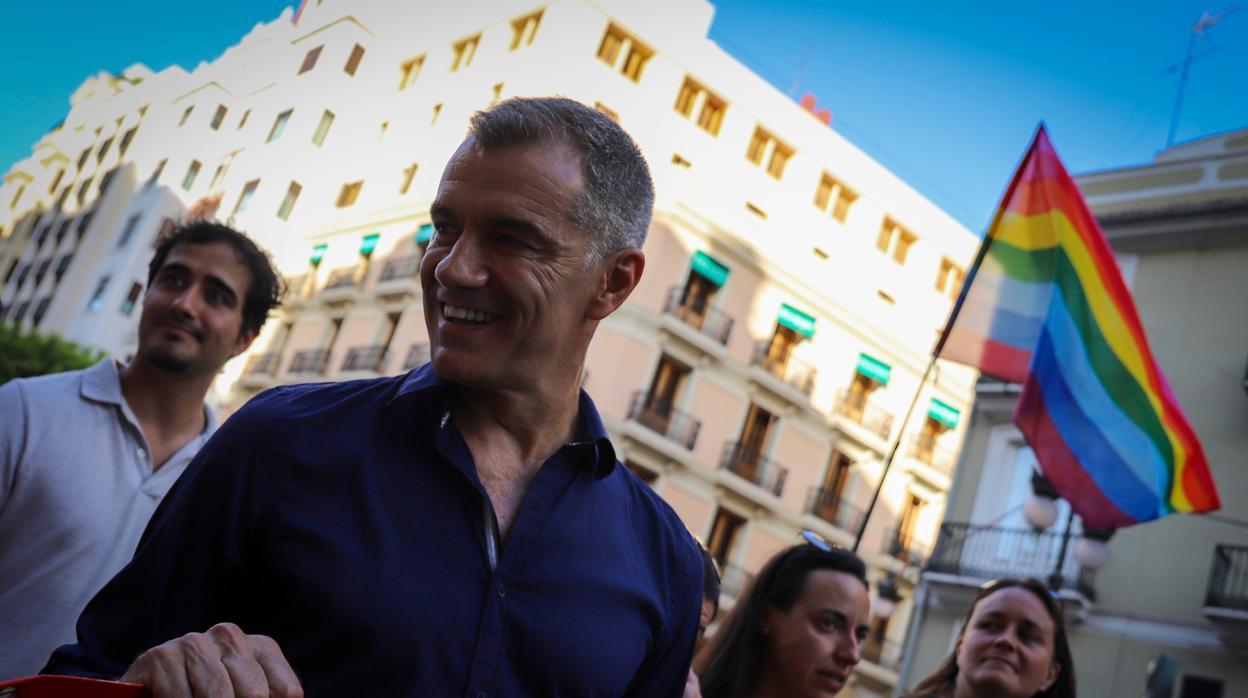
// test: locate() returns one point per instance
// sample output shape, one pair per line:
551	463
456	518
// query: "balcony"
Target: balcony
825	504
927	451
417	355
311	361
702	327
905	548
854	414
660	417
795	373
981	553
1226	597
745	462
734	582
298	289
885	654
367	359
399	281
260	370
343	285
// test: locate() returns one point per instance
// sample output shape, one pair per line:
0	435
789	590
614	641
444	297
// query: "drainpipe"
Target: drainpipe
912	639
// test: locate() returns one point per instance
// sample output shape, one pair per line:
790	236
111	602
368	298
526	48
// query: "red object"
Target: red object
69	687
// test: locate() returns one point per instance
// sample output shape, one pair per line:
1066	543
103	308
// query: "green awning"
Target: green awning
714	272
369	243
943	413
796	320
318	253
424	234
873	368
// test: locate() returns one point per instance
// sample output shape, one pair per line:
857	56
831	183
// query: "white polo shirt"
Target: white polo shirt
76	490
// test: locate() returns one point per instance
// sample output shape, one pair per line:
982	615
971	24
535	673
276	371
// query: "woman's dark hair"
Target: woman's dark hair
710	577
736	653
265	291
942	681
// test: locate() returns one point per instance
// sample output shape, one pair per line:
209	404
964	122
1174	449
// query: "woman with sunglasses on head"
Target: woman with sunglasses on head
796	632
1012	645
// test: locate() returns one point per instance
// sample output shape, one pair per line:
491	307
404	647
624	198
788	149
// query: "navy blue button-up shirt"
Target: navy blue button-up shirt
347	521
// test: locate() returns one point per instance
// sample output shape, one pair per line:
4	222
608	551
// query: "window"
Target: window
128	231
21	313
218	176
84	223
353	61
41	309
160	167
643	473
1194	686
765	147
437	110
42	271
723	538
103	151
62	231
106	180
56	181
615	43
679	161
279	125
186	115
893	237
692	98
9	274
409	173
831	193
166	229
61	266
60	199
86	153
409	70
22	274
463	51
83	188
949	278
192	172
97	298
309	59
350	192
243	121
657	410
126	139
288	201
244	199
217	117
498	93
127	306
524	30
322	128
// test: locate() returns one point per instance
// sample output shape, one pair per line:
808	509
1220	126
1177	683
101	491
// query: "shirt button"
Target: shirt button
502	591
140	453
480	694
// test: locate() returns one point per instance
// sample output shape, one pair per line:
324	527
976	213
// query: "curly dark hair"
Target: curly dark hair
941	682
266	289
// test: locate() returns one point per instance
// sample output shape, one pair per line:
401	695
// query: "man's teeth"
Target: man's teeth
455	312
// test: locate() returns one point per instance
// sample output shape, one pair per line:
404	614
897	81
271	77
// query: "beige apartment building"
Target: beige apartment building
1176	587
757	378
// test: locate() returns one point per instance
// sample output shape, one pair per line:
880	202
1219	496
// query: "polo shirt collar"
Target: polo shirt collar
590	431
102	383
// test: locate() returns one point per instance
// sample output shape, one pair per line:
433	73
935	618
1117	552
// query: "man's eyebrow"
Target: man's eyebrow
221	285
520	225
442	211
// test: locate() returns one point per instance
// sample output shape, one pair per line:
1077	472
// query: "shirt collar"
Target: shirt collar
102	383
590	431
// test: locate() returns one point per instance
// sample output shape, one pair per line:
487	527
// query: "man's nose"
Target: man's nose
463	266
186	301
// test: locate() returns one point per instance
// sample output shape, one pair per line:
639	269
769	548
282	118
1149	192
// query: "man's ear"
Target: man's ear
245	339
621	273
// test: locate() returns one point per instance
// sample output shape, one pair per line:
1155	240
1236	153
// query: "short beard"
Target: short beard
166	363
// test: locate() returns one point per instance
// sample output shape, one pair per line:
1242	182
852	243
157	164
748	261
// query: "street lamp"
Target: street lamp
1041	512
886	598
1040	509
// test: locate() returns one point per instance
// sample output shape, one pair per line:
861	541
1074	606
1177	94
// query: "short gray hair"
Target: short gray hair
615	207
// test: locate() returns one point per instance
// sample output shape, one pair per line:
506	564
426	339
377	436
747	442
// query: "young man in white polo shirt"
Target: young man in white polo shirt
85	456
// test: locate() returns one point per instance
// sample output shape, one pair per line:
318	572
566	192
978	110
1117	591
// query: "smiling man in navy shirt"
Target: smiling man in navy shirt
464	530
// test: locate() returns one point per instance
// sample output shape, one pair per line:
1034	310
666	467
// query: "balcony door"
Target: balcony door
669	377
696	298
753	440
828	504
725	530
925	445
780	350
856	401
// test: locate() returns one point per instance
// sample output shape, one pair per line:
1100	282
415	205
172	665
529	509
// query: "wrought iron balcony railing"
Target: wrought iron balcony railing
342	277
309	361
401	268
696	313
886	653
792	370
369	358
659	416
906	548
989	552
1228	580
744	460
926	450
262	364
417	355
858	409
826	505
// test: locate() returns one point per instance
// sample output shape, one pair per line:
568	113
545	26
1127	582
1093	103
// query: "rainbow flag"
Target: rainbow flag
1045	305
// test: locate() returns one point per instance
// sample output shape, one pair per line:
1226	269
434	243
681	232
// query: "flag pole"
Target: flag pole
980	253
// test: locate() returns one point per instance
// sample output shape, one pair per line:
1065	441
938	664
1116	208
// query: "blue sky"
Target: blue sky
944	94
